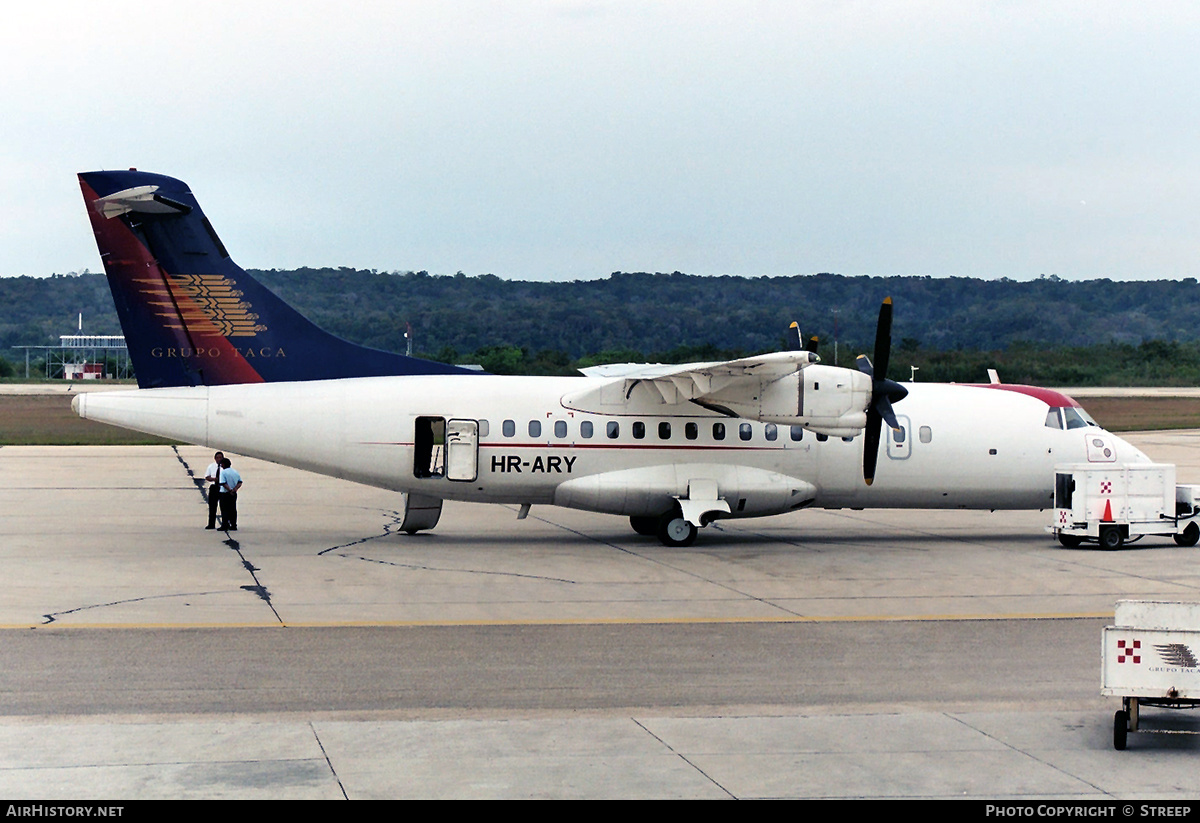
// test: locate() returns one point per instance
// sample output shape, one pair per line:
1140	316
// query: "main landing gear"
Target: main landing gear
671	529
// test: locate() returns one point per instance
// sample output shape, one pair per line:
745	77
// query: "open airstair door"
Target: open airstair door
462	450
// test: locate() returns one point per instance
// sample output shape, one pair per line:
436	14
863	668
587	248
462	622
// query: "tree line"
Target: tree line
1047	330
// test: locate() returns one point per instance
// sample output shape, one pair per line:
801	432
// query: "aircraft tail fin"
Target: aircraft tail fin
190	314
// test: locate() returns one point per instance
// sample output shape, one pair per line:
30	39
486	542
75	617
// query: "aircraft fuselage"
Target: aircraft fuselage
961	446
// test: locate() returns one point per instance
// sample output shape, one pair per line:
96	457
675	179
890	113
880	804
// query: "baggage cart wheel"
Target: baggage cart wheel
1120	729
1111	538
1069	541
1189	536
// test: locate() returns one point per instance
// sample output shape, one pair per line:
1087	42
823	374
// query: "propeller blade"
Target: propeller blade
864	365
812	343
793	337
884	392
871	445
884	409
883	339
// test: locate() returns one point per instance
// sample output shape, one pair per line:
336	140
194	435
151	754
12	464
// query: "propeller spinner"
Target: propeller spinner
884	392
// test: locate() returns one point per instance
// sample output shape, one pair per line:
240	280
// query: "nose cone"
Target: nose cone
1127	452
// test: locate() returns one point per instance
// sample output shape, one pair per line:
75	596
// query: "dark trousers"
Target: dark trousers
213	496
228	503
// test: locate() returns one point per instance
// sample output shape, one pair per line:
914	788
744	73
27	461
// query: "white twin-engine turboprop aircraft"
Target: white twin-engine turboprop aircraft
225	363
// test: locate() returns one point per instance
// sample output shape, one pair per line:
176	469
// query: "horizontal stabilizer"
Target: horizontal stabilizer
143	199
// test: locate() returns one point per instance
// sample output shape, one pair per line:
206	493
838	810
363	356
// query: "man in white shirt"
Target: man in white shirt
212	475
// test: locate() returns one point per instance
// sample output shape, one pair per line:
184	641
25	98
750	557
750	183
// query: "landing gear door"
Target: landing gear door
462	450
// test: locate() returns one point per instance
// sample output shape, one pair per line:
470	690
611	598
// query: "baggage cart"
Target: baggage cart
1151	657
1112	504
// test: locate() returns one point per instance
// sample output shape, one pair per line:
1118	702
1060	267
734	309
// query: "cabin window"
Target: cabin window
718	431
535	428
745	431
691	431
771	431
926	434
613	429
585	429
664	431
797	433
560	428
639	430
509	428
899	435
484	428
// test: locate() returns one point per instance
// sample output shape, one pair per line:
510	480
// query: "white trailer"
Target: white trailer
1150	658
1113	503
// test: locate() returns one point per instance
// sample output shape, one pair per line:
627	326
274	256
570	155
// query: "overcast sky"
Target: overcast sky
566	140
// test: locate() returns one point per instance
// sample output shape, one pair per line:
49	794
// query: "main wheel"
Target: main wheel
1069	541
673	530
1120	730
1189	537
646	526
1111	538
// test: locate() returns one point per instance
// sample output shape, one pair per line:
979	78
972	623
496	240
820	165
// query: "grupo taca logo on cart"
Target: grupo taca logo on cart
1174	656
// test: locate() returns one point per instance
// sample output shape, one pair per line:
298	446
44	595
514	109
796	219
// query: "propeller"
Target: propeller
884	392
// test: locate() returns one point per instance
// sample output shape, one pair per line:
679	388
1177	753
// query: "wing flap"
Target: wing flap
675	384
781	387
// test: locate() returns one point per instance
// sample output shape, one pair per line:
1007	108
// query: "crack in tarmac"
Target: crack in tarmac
257	588
52	617
396	518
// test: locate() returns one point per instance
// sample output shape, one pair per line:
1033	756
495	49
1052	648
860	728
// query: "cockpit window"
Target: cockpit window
1053	421
1074	419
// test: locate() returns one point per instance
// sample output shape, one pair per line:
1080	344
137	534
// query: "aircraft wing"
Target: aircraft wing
695	381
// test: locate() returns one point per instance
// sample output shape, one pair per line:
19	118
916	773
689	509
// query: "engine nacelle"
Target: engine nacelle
825	399
652	490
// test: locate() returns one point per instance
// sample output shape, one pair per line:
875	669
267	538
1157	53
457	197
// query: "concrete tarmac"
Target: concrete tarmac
318	653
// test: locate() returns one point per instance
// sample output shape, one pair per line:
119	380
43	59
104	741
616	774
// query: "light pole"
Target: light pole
835	336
